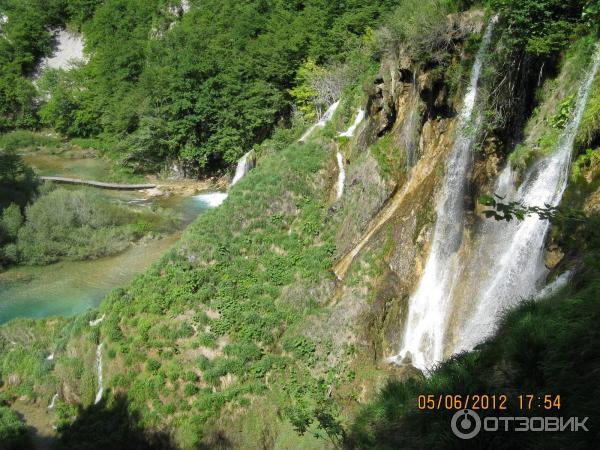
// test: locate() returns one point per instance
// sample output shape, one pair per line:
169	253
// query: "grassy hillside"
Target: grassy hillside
209	327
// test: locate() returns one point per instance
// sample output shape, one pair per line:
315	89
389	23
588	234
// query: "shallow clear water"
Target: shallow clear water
73	287
71	167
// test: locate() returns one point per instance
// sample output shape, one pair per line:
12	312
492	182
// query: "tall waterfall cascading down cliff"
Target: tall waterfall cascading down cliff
423	341
517	267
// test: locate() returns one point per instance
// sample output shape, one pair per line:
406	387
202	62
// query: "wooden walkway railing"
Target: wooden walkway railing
99	184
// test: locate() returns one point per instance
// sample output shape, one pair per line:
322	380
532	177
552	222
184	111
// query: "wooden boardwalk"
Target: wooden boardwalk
99	184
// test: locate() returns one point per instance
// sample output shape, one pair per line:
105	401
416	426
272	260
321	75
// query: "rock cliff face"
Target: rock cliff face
395	170
385	235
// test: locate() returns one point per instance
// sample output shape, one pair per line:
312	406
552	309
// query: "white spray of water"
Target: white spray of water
215	199
519	266
243	167
360	115
212	199
321	123
559	283
99	370
341	176
53	401
97	321
424	335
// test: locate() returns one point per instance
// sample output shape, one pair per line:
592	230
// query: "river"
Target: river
73	287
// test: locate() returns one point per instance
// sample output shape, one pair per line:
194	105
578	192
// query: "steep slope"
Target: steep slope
269	324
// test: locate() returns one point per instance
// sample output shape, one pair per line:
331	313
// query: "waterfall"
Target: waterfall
551	288
243	167
321	123
99	369
341	176
424	334
517	267
360	115
97	321
214	199
53	401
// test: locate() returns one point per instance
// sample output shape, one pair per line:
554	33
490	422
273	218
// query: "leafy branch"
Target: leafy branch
516	210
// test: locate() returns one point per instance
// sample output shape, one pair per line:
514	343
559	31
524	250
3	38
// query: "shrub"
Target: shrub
11	221
190	390
72	225
24	139
422	29
13	432
152	365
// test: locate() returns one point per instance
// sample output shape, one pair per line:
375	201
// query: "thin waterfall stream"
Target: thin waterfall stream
214	199
360	115
99	372
243	167
341	176
321	123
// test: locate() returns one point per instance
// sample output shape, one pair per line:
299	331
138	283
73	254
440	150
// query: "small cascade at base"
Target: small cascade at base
215	199
244	166
99	371
551	288
97	321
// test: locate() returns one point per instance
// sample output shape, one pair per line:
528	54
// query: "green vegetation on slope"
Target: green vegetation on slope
209	327
13	432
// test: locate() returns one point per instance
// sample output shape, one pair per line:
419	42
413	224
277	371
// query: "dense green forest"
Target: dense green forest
202	87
